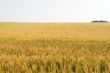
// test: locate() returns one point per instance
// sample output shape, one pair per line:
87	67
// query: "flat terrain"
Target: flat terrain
54	47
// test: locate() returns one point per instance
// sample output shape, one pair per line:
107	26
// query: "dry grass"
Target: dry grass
59	48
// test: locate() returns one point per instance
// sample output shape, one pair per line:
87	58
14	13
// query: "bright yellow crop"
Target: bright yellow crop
54	47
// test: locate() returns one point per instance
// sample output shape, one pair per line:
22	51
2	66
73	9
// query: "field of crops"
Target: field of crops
55	48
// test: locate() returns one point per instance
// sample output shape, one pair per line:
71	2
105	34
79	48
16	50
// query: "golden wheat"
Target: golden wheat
54	48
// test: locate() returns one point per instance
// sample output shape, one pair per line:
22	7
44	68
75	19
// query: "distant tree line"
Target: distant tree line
99	21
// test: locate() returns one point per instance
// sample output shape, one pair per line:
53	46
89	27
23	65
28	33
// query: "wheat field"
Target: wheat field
54	47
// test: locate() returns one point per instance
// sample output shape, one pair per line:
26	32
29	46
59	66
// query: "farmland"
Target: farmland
54	47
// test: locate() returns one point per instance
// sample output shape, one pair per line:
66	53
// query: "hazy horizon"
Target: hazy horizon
54	10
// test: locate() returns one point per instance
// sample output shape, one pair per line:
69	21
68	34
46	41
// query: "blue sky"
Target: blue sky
54	10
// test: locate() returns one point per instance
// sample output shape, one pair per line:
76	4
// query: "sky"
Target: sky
54	10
